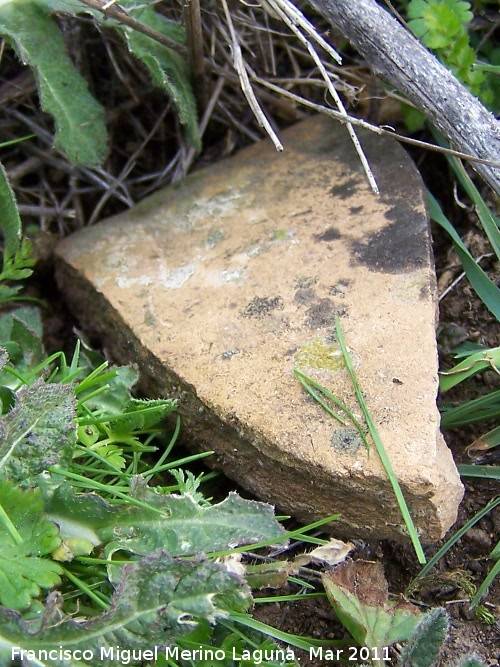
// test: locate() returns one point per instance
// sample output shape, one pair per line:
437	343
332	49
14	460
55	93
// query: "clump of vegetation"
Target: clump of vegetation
443	26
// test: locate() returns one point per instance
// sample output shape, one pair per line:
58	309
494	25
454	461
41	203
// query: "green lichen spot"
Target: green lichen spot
281	235
149	319
320	355
346	440
214	237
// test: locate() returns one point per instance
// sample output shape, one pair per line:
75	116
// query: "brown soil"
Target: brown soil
40	176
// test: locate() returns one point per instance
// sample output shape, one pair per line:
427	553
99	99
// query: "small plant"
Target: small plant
28	26
80	518
17	261
442	26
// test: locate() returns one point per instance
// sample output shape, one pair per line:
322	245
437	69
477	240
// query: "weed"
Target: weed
28	26
444	27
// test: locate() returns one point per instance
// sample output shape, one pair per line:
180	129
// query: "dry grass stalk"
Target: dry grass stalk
239	66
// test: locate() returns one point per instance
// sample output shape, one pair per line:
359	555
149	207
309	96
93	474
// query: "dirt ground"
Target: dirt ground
41	177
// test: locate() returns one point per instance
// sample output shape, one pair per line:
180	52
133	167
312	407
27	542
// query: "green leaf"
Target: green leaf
38	432
158	600
472	365
115	399
23	570
487	472
79	118
414	119
425	642
484	287
443	25
10	222
357	591
174	522
471	661
17	260
461	9
21	335
168	69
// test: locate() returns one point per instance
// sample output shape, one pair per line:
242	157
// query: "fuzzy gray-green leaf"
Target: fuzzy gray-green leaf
79	118
424	644
39	432
158	600
176	523
168	69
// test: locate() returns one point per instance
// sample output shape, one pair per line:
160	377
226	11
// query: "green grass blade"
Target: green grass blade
476	410
484	287
488	580
485	472
303	643
486	217
298	533
410	526
455	537
308	385
469	366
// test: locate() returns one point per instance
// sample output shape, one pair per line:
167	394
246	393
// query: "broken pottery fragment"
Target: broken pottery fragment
218	287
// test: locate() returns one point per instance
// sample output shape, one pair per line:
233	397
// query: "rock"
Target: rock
218	287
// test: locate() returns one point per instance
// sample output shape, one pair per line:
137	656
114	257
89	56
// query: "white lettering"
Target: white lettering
172	652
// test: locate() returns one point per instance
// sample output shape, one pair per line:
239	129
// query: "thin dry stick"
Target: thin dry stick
129	165
277	6
239	66
194	39
368	126
295	16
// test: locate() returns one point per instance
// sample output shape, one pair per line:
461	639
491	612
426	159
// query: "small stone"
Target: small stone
220	286
479	540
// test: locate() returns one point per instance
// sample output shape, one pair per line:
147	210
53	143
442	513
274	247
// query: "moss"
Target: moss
320	355
214	237
281	235
149	319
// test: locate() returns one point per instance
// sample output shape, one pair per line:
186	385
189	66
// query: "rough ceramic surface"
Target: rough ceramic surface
220	286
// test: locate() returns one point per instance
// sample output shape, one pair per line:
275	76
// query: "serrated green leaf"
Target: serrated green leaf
79	118
158	600
442	23
23	570
168	69
357	591
438	22
39	432
461	9
112	454
424	644
141	415
176	523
